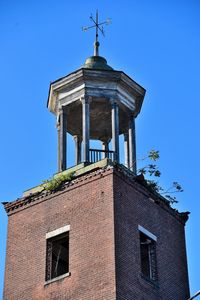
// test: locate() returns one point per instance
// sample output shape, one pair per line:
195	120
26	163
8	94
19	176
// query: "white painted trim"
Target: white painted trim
62	95
147	232
57	231
57	278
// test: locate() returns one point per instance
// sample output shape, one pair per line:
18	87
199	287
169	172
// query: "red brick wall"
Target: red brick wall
99	271
132	208
88	208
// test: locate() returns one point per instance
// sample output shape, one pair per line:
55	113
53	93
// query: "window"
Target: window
148	255
57	254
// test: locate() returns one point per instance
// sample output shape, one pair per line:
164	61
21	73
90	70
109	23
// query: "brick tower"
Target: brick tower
95	231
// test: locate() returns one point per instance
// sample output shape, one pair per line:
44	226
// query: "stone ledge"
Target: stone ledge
78	170
57	278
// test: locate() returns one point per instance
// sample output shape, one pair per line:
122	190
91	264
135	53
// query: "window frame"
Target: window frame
152	255
51	238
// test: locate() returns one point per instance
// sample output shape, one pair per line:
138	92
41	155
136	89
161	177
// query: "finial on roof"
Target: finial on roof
98	27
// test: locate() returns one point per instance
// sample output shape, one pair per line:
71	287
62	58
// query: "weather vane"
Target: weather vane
98	27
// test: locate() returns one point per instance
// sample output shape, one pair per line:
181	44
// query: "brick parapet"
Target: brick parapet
32	199
125	174
141	187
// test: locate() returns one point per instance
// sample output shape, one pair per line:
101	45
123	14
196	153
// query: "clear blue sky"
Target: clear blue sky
157	43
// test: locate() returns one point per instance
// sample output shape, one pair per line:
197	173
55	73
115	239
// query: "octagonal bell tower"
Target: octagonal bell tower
101	233
99	103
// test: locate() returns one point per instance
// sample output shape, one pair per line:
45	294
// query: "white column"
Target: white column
105	147
115	130
62	145
86	127
78	141
58	143
132	145
126	150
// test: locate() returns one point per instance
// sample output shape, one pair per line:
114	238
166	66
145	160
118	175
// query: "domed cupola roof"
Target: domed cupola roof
97	63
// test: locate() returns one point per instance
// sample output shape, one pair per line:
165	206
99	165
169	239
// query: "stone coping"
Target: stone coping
78	170
83	173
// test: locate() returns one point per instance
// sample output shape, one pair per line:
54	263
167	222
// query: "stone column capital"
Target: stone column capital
113	101
62	110
131	115
86	99
77	138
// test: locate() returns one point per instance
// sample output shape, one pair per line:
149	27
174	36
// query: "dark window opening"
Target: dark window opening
57	259
148	257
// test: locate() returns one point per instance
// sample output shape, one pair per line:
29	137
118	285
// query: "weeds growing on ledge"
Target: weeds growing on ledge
151	170
56	182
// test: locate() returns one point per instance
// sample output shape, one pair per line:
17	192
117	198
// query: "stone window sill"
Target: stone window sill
150	281
57	278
